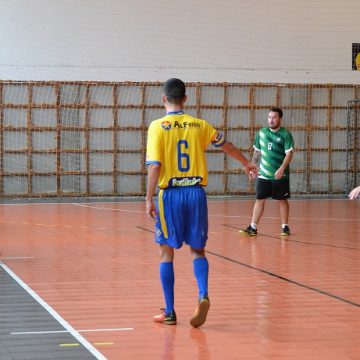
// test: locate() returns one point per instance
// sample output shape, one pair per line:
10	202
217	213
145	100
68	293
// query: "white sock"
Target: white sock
283	225
254	226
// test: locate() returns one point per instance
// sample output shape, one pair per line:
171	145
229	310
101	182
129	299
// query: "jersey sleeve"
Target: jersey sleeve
218	139
153	148
214	137
211	135
289	142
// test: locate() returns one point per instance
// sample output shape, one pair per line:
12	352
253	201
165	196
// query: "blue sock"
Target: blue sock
201	272
167	278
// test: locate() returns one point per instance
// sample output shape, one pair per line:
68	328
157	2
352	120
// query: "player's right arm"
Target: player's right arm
152	181
153	160
255	160
256	157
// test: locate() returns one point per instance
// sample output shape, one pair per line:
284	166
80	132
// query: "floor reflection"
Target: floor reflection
199	338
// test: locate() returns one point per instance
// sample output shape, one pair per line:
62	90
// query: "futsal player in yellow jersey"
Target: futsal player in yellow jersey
176	162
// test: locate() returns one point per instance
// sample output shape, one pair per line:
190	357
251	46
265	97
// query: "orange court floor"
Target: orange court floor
93	269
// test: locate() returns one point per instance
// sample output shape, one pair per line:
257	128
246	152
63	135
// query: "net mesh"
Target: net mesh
353	145
89	138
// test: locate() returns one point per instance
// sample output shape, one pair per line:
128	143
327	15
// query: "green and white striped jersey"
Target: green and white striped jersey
273	146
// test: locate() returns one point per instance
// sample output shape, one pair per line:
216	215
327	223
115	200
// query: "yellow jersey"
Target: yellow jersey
178	142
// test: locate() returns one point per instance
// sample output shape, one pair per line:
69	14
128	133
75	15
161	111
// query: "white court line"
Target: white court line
54	314
209	200
16	257
69	203
109	209
291	218
215	215
66	331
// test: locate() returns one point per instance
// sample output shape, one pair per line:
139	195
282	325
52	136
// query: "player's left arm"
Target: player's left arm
230	149
289	152
219	141
280	171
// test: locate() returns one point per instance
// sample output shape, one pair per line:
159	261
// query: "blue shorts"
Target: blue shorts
182	217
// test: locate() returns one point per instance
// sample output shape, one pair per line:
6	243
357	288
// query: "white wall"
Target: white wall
198	40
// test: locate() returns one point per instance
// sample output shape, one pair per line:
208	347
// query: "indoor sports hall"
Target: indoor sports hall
80	83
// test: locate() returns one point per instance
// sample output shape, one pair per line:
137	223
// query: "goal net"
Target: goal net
89	138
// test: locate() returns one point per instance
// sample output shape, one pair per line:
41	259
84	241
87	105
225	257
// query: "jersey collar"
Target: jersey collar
179	112
274	131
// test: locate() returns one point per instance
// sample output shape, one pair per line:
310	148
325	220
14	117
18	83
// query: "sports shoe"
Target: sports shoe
250	231
200	313
285	231
168	319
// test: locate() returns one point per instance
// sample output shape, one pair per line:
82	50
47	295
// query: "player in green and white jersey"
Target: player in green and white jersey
273	148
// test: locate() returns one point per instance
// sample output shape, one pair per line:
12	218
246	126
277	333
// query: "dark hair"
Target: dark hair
174	90
277	110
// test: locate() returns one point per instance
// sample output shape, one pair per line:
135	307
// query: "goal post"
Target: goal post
353	144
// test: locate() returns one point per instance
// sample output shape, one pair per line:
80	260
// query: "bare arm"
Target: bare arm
256	160
152	181
230	149
280	171
256	157
354	193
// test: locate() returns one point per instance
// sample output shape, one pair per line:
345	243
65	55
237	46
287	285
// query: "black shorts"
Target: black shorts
277	189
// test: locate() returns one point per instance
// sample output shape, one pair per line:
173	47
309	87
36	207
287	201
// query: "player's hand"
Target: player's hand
252	175
251	170
279	173
150	209
354	193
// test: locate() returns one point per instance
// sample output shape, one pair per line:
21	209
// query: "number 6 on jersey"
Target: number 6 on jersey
183	157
